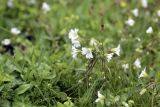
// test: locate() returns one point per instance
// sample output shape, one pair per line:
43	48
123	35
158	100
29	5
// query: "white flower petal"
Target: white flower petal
100	97
15	31
125	67
74	52
45	7
117	50
87	52
76	43
137	63
6	42
109	56
149	30
89	55
143	73
73	34
144	3
130	22
84	51
135	12
97	100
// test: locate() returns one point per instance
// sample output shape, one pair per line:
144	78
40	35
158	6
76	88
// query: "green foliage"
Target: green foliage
22	88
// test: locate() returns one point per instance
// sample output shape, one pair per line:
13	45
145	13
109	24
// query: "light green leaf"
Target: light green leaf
23	88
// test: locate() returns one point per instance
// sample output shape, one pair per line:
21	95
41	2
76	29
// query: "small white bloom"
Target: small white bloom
76	43
15	31
135	12
149	30
6	42
130	22
143	73
158	13
74	52
45	7
125	67
100	97
137	63
87	52
144	3
117	50
109	56
73	34
10	3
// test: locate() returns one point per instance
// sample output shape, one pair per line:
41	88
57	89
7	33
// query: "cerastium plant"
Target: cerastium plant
95	53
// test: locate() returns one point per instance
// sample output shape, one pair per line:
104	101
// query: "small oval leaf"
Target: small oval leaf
23	88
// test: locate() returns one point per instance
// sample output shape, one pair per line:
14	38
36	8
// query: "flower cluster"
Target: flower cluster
74	37
87	52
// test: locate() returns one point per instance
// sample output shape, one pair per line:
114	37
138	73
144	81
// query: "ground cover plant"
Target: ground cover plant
80	53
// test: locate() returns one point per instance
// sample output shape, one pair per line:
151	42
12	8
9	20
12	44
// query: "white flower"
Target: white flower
100	97
74	52
15	31
109	56
143	73
144	3
130	22
76	43
137	63
10	3
117	50
135	12
149	30
6	42
87	52
73	34
45	7
125	67
158	13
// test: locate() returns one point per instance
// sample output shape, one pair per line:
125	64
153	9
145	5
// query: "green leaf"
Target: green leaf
49	75
5	77
23	88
